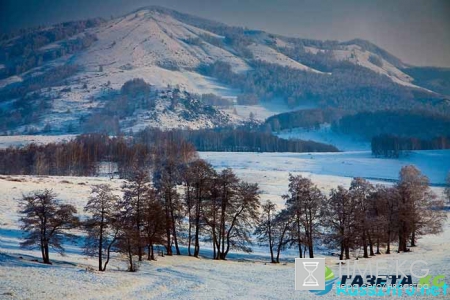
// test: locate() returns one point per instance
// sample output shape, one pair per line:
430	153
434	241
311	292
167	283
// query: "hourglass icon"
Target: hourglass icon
310	280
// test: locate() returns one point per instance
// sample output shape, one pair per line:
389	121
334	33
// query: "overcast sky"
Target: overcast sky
416	31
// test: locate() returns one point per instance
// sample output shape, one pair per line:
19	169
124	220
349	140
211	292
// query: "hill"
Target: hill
54	78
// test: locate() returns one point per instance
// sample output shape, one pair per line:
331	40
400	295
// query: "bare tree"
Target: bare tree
340	219
305	202
153	224
282	224
45	222
419	208
273	228
129	240
360	190
232	213
136	192
198	177
383	203
265	229
102	227
171	157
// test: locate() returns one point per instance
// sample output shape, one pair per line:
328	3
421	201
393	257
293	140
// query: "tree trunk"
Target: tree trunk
138	227
175	235
370	245
270	237
130	257
169	242
100	246
197	227
299	242
197	241
388	246
149	252
310	246
108	251
413	239
42	250
46	257
189	236
364	241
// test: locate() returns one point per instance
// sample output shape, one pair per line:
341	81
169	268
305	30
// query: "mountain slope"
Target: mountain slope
65	73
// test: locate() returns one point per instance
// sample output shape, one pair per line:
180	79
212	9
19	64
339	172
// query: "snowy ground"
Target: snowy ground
324	134
433	163
23	140
264	110
244	276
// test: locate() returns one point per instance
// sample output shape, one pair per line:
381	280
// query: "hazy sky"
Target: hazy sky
417	31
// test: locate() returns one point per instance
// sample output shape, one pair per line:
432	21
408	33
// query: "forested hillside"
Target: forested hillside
404	123
62	77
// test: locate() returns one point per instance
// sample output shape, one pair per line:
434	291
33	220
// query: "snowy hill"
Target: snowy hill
165	48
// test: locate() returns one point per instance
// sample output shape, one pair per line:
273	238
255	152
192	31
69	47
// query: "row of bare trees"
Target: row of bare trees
183	200
364	217
217	207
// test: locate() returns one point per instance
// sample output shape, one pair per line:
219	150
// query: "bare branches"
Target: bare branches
45	222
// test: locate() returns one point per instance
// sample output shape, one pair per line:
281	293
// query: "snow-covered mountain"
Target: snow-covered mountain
166	49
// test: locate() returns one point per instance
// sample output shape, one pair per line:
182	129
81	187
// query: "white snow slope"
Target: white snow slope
324	134
154	45
244	276
433	163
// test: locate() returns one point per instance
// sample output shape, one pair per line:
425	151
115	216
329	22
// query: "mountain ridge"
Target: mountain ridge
165	48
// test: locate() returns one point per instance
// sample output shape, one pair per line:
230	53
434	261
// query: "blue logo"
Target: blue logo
329	281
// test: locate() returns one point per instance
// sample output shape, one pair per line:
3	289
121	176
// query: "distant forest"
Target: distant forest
435	79
404	123
25	50
351	87
307	118
393	146
235	140
392	132
81	156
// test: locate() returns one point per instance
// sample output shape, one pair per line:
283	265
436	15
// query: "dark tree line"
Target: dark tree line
78	157
308	118
83	155
394	146
403	123
435	79
236	140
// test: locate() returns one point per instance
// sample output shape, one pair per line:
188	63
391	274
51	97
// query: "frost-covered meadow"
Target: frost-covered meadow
243	276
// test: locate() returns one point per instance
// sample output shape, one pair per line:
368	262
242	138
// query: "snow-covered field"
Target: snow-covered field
244	276
23	140
433	163
324	134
